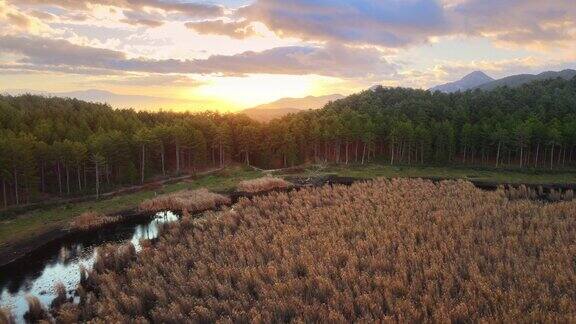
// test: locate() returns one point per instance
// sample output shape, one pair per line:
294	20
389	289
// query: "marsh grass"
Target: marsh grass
61	295
6	316
263	184
36	311
190	200
91	220
524	192
113	257
384	250
68	313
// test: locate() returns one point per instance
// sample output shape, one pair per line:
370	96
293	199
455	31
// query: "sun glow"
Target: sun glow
242	92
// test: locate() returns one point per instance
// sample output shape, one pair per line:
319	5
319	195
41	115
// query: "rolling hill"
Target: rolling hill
102	96
285	106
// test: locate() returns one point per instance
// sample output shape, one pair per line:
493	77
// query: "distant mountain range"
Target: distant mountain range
470	81
520	79
285	106
282	107
101	96
479	80
263	113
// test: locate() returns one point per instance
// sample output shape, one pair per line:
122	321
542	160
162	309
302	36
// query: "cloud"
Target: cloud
521	22
331	60
23	68
150	81
235	29
13	21
18	20
43	15
451	70
388	23
382	23
136	18
346	39
143	22
47	52
395	24
186	8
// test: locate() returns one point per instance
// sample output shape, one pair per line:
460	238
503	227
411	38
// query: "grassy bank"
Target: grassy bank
42	220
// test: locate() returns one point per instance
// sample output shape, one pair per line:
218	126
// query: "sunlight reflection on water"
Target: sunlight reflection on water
64	265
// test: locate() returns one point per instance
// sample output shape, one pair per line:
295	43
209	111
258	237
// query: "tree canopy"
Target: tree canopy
57	146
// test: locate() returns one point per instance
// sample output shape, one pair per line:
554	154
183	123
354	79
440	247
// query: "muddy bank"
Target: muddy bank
14	251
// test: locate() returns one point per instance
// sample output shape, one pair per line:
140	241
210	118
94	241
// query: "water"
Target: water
38	274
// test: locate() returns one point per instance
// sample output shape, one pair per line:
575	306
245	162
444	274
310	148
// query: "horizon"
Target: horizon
230	55
77	94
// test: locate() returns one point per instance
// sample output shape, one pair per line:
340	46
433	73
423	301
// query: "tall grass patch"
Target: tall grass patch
384	250
92	220
263	184
189	200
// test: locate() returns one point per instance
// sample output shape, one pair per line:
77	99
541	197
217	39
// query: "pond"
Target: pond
38	273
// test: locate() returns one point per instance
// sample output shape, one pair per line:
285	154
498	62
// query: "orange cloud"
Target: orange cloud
331	60
234	29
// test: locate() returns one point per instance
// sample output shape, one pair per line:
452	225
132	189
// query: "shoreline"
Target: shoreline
15	251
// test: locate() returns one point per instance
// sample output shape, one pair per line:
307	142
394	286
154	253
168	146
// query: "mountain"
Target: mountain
101	96
285	106
375	87
479	80
266	115
306	103
468	82
518	80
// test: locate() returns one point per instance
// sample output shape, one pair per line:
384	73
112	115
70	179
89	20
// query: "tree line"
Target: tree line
65	147
533	126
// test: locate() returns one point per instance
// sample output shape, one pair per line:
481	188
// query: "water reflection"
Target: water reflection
38	273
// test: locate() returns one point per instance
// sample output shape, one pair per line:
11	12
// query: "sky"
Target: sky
228	55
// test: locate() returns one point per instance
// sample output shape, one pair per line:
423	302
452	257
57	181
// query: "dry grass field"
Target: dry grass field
263	184
91	220
185	200
6	316
399	250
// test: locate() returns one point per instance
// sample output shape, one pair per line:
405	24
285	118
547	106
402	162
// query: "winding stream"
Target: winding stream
38	273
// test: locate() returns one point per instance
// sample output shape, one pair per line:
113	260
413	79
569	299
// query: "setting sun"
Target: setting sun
247	91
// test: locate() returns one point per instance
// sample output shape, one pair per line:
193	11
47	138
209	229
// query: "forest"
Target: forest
65	147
